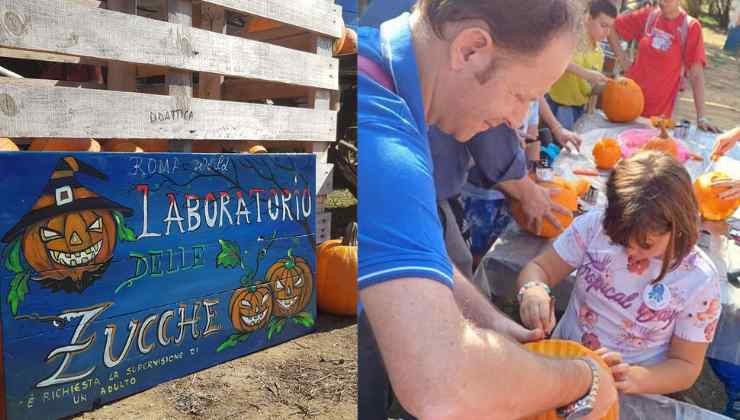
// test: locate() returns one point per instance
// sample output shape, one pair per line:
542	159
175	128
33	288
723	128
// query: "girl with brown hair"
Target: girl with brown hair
643	289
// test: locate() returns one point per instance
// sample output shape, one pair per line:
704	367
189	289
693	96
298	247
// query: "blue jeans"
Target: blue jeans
486	214
729	374
566	115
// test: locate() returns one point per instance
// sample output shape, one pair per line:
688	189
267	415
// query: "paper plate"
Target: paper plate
564	349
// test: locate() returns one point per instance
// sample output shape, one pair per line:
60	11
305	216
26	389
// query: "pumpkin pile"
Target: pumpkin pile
567	196
607	153
622	100
564	349
336	274
711	206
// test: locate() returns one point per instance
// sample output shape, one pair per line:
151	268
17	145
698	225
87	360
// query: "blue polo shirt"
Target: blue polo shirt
400	232
496	153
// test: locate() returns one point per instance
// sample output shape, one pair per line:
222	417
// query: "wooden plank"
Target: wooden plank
50	83
60	27
122	76
43	56
249	90
165	299
323	227
79	113
180	83
315	15
320	100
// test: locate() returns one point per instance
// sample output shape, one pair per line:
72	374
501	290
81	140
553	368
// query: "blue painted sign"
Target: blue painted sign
122	271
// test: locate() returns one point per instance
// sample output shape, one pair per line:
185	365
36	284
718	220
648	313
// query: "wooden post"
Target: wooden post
122	76
321	99
212	18
180	83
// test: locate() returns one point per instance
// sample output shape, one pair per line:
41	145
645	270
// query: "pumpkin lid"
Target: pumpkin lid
60	192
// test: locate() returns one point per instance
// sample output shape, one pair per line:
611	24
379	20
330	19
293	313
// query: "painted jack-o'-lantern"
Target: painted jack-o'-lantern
69	235
292	284
251	308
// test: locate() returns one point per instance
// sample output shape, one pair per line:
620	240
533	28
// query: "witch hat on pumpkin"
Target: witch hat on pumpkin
63	194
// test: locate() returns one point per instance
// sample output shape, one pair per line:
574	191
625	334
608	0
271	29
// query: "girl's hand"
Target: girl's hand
596	78
536	310
623	373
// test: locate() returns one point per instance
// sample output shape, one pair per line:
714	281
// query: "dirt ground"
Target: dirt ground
313	376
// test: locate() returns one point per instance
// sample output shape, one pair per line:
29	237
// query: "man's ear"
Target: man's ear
471	48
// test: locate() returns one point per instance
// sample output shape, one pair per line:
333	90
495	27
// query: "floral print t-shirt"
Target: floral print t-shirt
616	307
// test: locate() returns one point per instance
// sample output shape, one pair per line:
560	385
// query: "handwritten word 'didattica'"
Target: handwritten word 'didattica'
171	115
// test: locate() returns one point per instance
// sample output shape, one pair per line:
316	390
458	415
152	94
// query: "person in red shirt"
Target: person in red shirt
669	45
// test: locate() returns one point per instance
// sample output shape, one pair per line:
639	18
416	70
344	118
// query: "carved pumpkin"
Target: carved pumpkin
336	274
563	349
607	153
7	145
663	143
292	284
710	205
622	100
71	250
64	145
251	308
565	196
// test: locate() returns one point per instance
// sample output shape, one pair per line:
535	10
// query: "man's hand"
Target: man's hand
518	333
704	124
606	397
539	205
563	136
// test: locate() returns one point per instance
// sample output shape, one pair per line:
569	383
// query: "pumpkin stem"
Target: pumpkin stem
663	131
350	235
290	263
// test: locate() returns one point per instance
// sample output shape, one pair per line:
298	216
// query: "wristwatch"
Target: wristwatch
585	405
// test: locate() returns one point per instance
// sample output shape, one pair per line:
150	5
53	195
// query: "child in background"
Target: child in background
569	96
486	212
643	289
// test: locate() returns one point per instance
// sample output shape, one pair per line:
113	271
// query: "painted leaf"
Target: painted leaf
124	232
12	256
228	343
305	319
229	256
18	290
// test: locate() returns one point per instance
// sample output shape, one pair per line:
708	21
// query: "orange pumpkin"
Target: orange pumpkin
581	186
347	44
658	122
71	250
292	284
607	153
258	148
663	143
250	308
710	205
622	100
64	145
563	349
7	145
566	197
336	274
